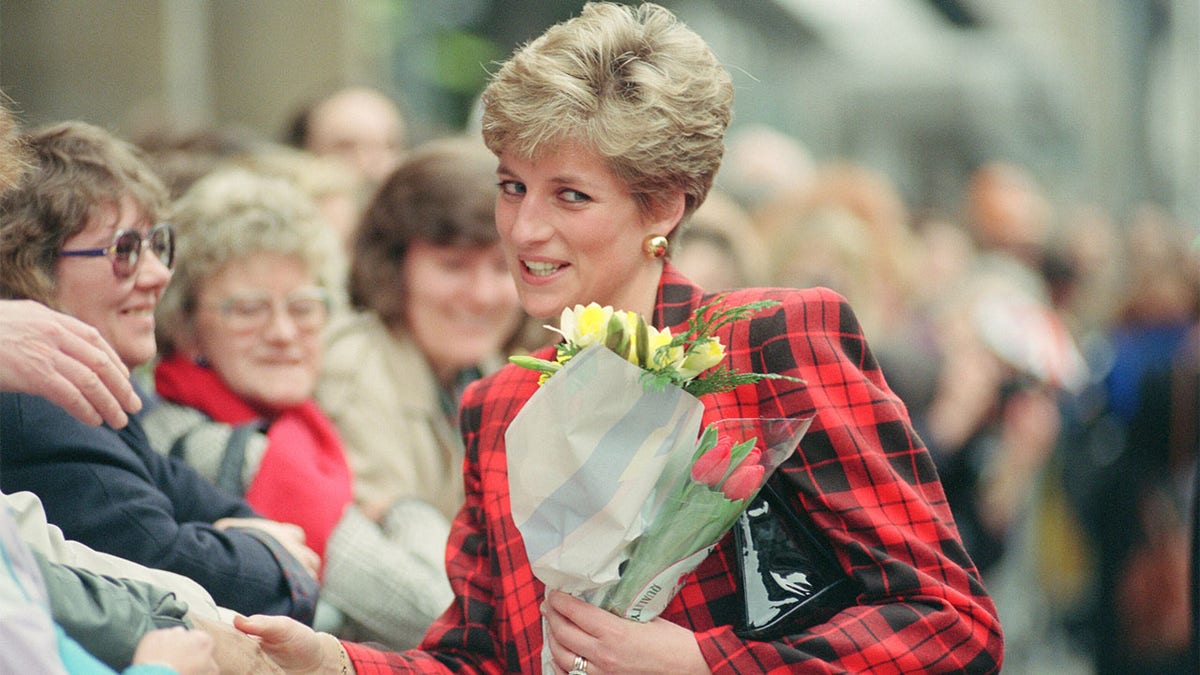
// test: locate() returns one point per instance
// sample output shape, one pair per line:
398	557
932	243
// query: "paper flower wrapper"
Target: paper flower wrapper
602	482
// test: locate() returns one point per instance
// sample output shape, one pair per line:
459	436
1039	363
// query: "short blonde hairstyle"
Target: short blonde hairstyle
632	83
230	215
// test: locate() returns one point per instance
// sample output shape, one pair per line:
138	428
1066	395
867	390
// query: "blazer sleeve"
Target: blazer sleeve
111	492
869	485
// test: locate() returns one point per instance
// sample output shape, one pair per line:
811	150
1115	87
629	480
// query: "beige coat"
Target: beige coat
379	390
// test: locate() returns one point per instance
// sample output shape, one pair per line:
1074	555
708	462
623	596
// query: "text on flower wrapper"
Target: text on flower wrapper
635	612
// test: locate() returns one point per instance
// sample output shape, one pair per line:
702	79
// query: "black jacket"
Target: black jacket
110	490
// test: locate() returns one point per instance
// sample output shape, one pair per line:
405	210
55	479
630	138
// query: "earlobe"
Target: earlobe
668	214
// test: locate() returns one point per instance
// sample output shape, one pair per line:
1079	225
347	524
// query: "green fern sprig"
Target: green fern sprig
700	328
722	379
702	324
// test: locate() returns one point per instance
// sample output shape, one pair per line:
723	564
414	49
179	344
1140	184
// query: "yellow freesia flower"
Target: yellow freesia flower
584	326
659	339
632	320
705	354
621	331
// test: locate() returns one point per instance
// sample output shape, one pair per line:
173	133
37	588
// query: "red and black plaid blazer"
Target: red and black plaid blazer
861	472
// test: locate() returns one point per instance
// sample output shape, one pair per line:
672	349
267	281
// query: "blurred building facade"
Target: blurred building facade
1099	98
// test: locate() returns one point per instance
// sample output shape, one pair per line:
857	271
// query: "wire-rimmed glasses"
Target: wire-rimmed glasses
307	308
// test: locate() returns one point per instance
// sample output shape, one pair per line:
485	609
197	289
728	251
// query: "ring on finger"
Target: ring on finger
579	667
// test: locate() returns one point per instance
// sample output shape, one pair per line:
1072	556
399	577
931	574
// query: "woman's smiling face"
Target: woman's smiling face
460	291
572	233
272	365
121	308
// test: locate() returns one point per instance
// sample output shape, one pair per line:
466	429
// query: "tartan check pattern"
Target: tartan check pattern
861	472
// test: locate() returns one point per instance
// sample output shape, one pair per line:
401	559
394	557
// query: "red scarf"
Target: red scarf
303	478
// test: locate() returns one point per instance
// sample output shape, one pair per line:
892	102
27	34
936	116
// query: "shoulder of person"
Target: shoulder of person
32	424
363	359
807	309
787	297
169	420
349	330
357	339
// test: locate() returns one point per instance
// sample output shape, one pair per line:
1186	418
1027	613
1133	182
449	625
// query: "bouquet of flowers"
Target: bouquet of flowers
615	490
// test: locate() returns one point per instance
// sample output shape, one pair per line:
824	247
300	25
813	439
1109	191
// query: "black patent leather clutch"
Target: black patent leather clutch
790	579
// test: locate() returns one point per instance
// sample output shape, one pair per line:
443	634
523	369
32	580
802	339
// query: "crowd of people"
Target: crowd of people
1045	351
253	394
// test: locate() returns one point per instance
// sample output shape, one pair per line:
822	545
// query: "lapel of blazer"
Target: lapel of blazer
678	297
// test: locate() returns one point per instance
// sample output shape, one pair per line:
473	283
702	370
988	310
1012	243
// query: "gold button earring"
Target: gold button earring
655	246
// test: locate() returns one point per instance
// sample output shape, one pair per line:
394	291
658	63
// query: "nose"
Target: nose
151	272
281	327
529	224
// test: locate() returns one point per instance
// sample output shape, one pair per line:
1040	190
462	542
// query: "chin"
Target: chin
132	358
289	399
541	305
542	309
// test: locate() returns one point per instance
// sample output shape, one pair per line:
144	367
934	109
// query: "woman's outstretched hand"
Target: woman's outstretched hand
296	648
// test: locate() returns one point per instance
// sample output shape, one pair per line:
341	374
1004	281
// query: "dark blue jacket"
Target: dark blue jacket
111	491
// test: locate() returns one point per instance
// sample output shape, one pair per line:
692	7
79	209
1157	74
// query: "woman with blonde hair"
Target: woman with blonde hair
609	129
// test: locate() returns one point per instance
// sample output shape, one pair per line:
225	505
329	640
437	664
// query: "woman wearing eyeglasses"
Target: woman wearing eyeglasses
241	337
82	234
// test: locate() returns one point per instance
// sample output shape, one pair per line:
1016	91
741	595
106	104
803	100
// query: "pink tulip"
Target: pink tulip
752	457
743	481
710	467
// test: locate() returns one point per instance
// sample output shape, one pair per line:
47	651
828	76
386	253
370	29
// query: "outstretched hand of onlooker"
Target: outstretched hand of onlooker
234	651
968	392
289	535
64	360
189	652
